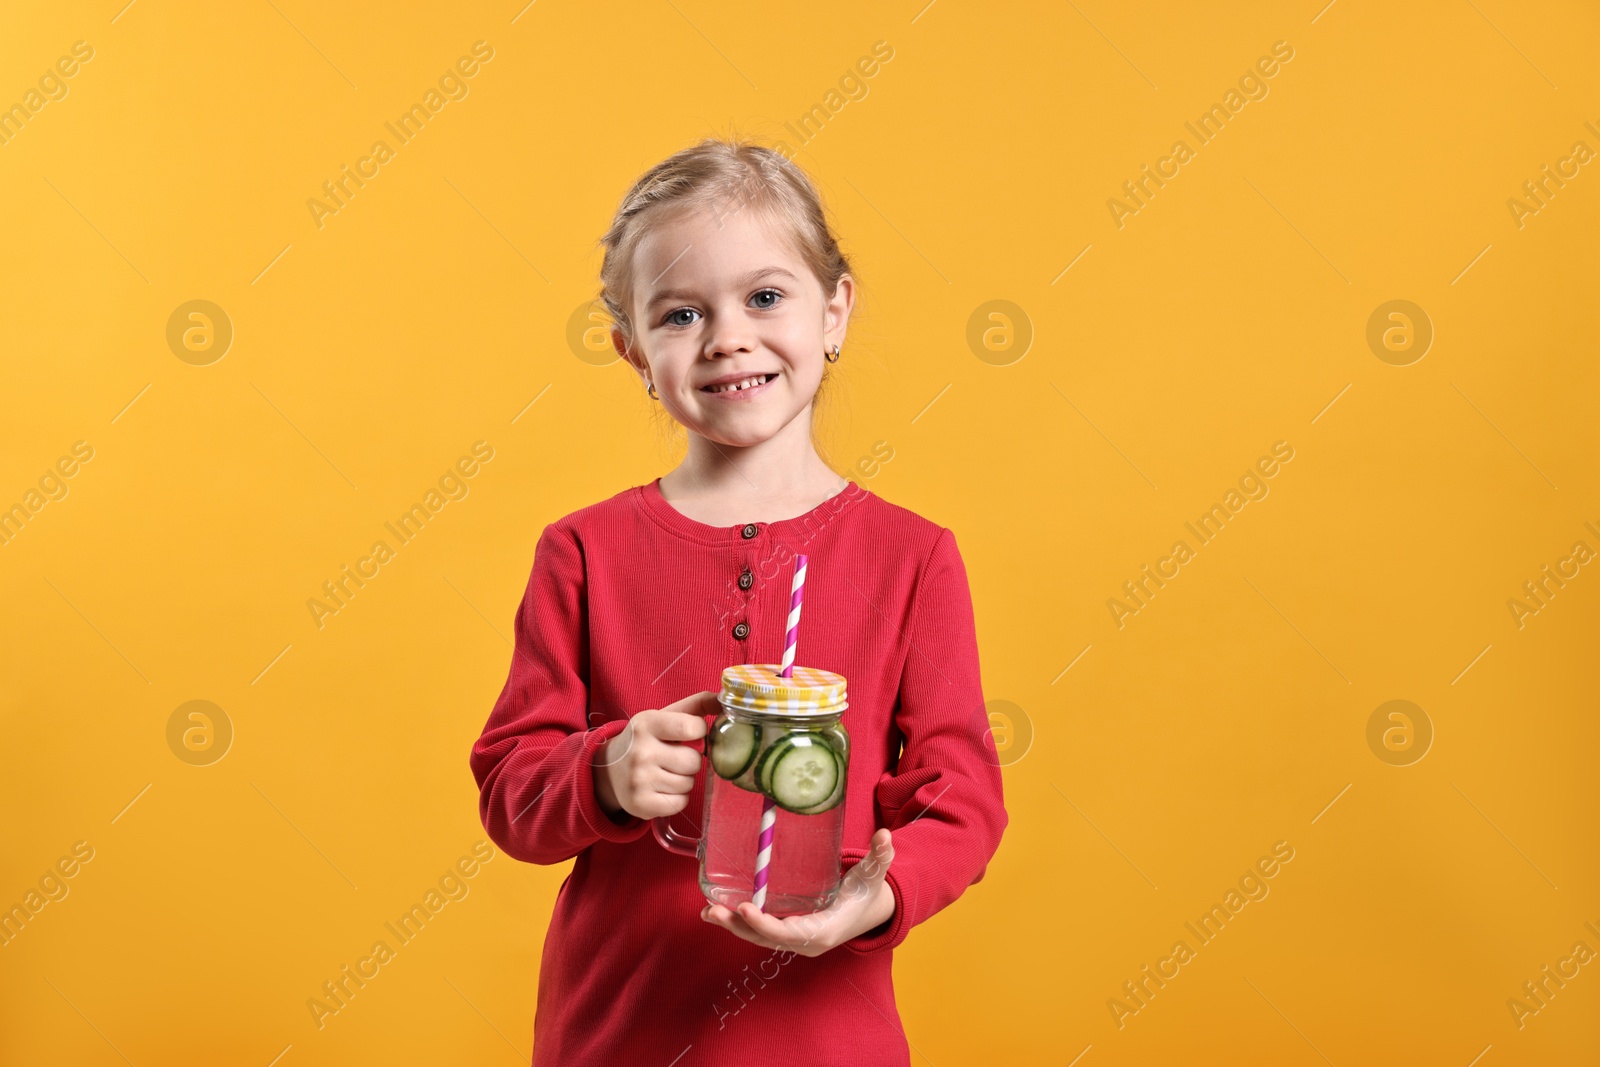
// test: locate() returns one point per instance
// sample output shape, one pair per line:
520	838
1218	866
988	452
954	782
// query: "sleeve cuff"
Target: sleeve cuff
599	822
888	935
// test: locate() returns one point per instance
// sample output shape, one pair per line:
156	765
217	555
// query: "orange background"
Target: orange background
1139	371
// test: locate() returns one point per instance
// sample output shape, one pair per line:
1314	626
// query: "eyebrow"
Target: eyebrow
748	279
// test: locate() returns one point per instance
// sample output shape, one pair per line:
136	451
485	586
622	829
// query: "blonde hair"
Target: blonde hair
725	176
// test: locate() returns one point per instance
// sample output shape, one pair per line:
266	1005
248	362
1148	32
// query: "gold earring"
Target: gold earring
833	358
651	389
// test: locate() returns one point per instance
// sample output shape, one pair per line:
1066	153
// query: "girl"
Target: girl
730	299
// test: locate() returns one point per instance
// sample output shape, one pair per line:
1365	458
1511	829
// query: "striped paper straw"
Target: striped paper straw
794	616
769	820
769	810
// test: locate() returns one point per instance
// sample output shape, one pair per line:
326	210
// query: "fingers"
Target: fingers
761	929
656	806
778	931
701	704
677	760
678	722
660	805
651	763
662	746
718	915
883	847
867	876
807	935
654	792
664	781
881	853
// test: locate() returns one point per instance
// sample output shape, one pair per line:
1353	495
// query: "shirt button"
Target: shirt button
741	630
749	531
746	580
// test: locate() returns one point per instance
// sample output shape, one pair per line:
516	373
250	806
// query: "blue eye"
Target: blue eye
760	297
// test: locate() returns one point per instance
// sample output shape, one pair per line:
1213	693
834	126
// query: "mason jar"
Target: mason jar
777	760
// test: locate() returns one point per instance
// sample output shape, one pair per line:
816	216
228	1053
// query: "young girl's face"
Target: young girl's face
724	299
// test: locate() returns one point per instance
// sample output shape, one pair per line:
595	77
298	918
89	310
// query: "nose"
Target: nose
731	332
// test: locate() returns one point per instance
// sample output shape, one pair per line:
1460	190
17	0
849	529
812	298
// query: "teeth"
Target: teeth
745	384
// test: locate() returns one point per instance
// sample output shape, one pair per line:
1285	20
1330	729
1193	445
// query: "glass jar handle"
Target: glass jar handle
668	838
672	840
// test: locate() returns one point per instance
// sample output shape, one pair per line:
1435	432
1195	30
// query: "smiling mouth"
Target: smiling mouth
740	386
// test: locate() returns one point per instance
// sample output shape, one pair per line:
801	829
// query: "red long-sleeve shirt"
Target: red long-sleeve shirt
633	605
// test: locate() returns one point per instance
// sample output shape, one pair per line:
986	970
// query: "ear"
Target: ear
633	358
836	316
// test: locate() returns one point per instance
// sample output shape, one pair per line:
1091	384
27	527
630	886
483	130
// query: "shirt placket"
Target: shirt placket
750	537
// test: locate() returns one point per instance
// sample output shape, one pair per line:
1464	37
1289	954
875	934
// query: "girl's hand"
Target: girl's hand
645	770
865	900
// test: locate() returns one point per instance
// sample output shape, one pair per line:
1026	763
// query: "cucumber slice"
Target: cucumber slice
778	738
770	735
839	741
831	802
768	759
733	748
802	774
773	739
